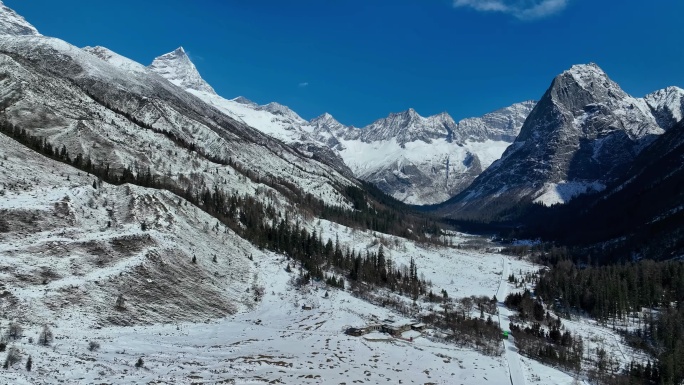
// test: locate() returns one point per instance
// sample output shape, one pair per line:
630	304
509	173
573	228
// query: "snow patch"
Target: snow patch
562	192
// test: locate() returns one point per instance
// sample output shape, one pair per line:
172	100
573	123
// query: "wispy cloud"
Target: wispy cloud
193	57
521	9
303	84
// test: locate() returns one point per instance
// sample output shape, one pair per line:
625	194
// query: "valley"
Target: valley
153	231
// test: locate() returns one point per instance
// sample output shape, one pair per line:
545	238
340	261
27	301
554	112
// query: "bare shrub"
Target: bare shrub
13	356
15	331
93	346
259	292
45	337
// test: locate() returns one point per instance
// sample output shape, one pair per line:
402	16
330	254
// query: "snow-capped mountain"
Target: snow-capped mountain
177	68
667	105
501	125
419	160
422	160
582	135
13	24
273	119
408	126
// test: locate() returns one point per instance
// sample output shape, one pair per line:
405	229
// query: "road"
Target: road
511	352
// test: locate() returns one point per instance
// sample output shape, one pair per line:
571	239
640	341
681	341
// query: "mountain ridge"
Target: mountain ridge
452	157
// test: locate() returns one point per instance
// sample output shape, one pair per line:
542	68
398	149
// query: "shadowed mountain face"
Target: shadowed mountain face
582	135
638	216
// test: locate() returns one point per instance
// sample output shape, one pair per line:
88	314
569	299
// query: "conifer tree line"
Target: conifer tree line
541	335
262	225
646	295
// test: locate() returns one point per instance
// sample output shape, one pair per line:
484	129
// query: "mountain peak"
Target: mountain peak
245	101
177	68
324	118
12	23
588	76
411	113
283	111
667	105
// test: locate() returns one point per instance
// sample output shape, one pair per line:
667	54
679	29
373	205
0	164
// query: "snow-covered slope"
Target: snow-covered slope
13	24
115	59
583	134
70	245
114	115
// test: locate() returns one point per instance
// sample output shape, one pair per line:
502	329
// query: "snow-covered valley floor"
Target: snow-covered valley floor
277	342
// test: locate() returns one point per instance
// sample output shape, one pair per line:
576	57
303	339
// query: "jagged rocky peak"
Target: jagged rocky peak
12	23
501	125
581	136
325	122
177	68
589	78
667	106
585	100
409	126
245	101
329	131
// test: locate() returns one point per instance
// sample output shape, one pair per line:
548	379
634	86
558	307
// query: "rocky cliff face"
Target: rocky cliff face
582	135
667	105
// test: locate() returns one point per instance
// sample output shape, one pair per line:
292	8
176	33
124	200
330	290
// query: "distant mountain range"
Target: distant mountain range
415	159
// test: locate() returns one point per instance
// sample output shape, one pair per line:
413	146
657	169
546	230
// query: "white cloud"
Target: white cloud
194	58
303	84
521	9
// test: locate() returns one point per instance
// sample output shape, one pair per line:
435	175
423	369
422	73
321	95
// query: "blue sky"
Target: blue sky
362	59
